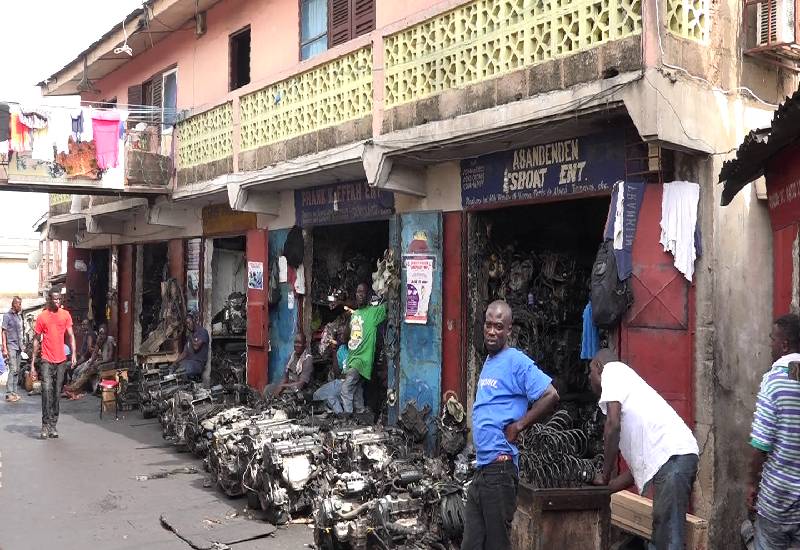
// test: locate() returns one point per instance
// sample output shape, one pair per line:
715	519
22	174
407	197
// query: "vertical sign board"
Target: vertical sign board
586	165
420	375
341	203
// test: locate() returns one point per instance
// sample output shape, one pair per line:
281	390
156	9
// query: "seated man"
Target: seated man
194	356
298	370
102	356
331	392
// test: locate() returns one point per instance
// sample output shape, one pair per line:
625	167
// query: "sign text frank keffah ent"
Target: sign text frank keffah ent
577	166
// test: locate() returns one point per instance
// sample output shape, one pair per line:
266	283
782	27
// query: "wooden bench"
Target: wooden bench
634	514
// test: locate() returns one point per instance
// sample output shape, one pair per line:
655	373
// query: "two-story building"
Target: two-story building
448	132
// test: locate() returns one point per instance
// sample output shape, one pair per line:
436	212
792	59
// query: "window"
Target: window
169	98
313	28
327	23
239	59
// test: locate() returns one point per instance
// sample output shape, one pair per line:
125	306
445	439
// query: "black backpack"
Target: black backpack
611	297
294	247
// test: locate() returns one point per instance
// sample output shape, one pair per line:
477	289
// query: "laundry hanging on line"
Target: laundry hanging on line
623	218
679	224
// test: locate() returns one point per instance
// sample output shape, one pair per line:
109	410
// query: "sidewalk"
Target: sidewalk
80	491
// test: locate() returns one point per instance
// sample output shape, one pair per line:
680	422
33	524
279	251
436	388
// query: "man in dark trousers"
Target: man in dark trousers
510	381
655	442
51	326
12	347
194	356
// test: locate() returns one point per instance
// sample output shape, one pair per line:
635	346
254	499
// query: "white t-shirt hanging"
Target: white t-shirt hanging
650	430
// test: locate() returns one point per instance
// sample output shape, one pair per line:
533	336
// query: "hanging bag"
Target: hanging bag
611	297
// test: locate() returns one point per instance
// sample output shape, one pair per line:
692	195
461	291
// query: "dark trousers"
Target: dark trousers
491	504
672	487
52	376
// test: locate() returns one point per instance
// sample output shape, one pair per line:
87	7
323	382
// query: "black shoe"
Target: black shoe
44	434
53	433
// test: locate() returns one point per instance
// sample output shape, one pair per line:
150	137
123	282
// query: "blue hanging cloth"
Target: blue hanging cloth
590	340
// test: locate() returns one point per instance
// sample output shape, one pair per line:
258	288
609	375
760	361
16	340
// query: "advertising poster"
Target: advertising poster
255	275
419	285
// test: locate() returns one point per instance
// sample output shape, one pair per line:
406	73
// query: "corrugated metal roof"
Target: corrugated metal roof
759	146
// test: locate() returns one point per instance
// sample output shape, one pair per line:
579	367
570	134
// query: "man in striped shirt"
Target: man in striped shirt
775	438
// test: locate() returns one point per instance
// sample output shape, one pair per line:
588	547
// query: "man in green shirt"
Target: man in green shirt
364	322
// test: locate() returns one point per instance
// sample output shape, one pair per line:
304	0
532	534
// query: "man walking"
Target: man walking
12	347
655	442
509	383
51	326
775	440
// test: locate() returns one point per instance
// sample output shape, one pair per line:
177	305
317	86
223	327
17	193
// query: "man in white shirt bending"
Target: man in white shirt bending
658	447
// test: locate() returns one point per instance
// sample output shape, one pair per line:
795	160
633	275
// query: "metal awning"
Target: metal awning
759	146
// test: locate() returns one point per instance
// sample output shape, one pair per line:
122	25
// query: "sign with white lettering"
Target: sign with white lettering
341	203
577	166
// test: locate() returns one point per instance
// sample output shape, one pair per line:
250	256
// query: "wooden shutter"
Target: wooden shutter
338	22
134	98
156	94
363	12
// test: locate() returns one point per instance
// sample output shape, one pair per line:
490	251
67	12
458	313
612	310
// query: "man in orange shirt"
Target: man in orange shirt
51	325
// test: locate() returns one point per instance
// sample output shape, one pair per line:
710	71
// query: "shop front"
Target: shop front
225	284
536	218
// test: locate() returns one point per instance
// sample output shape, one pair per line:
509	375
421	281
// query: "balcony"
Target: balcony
443	64
145	171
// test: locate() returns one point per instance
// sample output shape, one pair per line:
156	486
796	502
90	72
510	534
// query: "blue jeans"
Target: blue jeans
52	375
352	394
672	486
330	393
13	371
775	536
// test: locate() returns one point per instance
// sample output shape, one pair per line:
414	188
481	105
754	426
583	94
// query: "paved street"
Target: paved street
81	491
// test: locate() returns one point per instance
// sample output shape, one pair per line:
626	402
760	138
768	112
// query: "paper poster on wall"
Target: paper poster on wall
419	284
255	275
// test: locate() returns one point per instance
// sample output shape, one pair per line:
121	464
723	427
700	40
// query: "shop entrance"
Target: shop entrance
155	270
228	310
343	257
98	287
538	258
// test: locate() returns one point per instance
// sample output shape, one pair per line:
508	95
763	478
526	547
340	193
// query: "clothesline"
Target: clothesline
100	105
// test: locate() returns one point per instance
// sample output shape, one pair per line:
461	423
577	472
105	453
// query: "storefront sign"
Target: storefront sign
255	275
219	219
577	166
419	285
341	203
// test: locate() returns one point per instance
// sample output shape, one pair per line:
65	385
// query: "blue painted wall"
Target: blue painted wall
282	320
420	374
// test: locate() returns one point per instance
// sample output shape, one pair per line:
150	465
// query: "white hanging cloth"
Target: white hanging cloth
678	222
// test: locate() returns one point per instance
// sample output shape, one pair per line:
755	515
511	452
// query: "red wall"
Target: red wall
783	192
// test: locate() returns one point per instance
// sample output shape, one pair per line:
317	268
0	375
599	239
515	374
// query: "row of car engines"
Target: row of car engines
364	486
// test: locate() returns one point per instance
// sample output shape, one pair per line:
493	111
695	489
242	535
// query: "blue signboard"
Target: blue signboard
576	166
341	203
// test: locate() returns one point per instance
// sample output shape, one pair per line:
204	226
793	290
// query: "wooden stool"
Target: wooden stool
108	394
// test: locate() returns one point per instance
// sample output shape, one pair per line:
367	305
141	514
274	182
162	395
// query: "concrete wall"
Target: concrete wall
442	188
742	311
203	62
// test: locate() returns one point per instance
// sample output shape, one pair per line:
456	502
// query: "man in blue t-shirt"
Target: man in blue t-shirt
509	382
